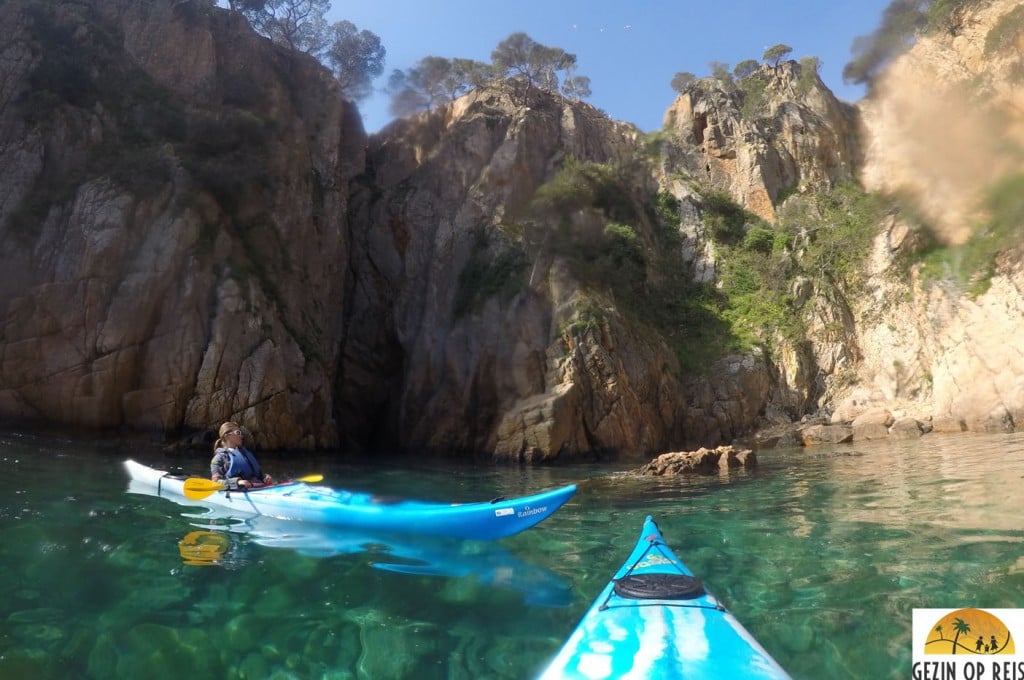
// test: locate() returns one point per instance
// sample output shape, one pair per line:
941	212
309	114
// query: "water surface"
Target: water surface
821	553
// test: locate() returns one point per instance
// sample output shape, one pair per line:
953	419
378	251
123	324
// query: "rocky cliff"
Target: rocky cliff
789	134
453	365
174	200
194	227
944	126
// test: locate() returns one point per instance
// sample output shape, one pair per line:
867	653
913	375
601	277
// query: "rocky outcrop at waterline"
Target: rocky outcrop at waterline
701	461
873	424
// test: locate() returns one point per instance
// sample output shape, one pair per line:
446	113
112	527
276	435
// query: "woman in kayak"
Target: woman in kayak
233	464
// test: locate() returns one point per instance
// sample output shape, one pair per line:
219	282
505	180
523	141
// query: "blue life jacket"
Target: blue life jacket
243	464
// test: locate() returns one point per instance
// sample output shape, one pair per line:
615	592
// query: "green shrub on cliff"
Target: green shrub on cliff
754	88
725	219
580	185
973	263
1006	33
824	236
590	215
834	230
490	271
623	244
753	273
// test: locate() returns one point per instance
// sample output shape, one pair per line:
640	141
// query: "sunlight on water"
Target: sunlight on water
821	553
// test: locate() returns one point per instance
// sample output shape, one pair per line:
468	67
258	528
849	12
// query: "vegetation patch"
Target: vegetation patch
973	263
688	317
725	219
754	88
227	152
588	317
579	185
825	237
786	191
808	75
1007	33
654	142
837	228
623	244
664	212
487	274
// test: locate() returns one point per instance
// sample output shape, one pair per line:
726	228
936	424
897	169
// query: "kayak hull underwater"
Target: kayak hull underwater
324	505
655	620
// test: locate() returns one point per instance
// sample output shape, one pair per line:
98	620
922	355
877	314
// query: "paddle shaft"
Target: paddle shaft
198	488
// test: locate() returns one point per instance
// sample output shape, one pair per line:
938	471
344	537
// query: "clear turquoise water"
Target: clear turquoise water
822	554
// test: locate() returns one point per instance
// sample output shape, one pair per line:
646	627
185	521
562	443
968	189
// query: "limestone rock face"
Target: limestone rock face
930	348
520	376
173	222
797	136
197	229
928	125
909	428
872	424
194	228
950	355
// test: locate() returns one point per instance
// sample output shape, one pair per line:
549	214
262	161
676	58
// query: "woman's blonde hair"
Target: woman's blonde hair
224	429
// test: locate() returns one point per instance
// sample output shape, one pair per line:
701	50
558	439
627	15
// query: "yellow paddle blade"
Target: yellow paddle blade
198	488
309	479
203	548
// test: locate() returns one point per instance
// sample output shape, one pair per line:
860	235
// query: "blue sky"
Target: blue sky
630	49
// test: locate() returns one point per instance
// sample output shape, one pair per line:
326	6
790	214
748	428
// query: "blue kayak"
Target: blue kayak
215	534
655	620
357	510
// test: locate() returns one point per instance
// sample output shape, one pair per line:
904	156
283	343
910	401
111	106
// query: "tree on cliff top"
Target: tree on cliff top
720	73
681	80
433	81
246	5
901	22
530	64
525	62
745	68
773	55
297	24
356	58
576	87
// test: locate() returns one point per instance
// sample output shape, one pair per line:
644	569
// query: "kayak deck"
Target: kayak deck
304	502
656	620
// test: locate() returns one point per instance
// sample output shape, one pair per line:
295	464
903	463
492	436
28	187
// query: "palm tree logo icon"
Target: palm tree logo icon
971	631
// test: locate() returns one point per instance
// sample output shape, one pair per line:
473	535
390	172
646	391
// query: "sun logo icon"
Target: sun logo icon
969	631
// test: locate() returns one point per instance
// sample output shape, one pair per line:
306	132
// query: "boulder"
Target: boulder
700	461
826	434
907	428
872	424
